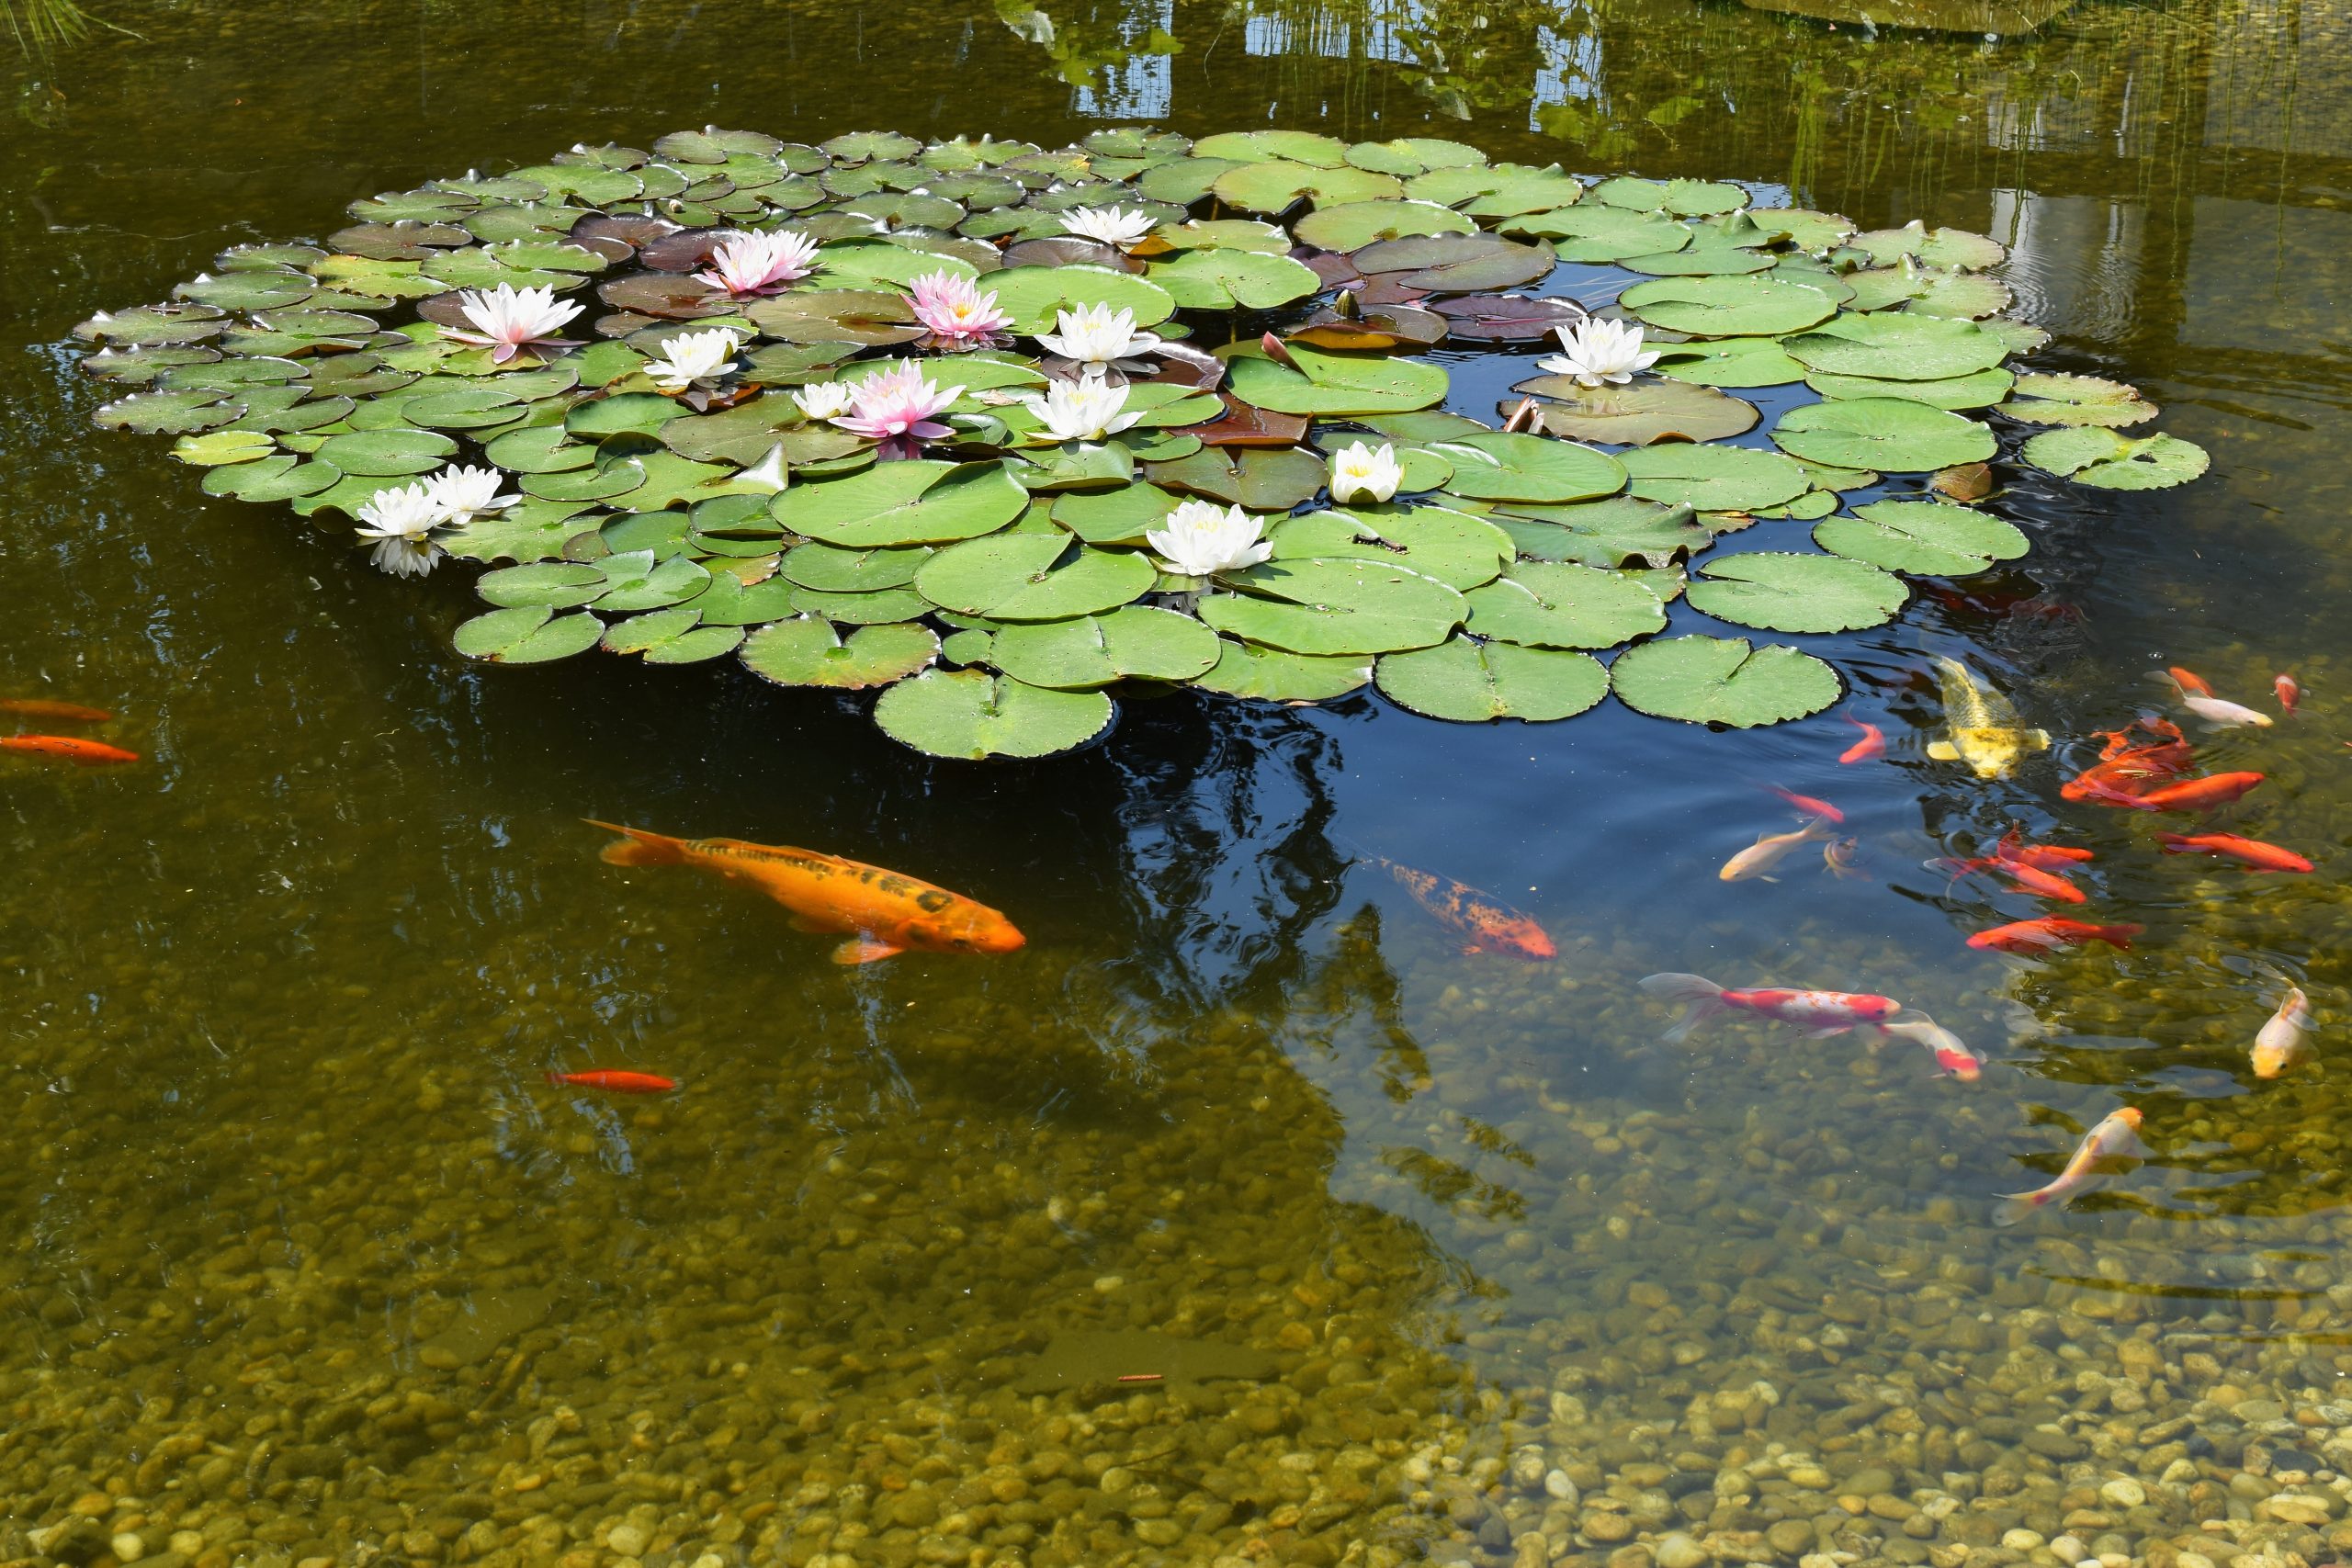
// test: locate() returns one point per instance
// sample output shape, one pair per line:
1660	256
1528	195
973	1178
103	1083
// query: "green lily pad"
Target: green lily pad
1032	577
913	503
1457	264
1348	226
810	652
670	637
1978	389
1271	479
1181	181
832	570
1456	549
1635	415
2076	400
1596	235
1259	146
1033	296
1894	436
560	585
1729	307
1335	606
2105	460
1277	185
543	449
1139	641
1558	604
528	634
1606	533
638	581
1960	295
1500	465
1785	592
1225	280
1471	681
1898	347
1413	155
151	325
861	316
1808	230
169	413
535	530
282	478
388	452
216	448
1718	681
1939	247
1923	537
1119	517
1714	478
1335	385
1274	675
1730	361
971	714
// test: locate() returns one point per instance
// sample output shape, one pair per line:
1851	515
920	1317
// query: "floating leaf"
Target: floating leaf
169	413
971	714
1267	480
1729	307
832	570
1335	385
221	447
1260	146
1224	279
1033	296
1923	537
1637	415
2076	400
1457	264
1277	185
386	452
1471	681
151	325
913	503
1714	478
1783	592
2107	461
1706	680
1894	436
1606	533
1335	606
1032	577
1505	318
529	634
1456	549
1350	225
1940	247
858	316
670	637
1557	604
1095	650
809	653
1274	675
1730	361
1980	389
282	478
1499	465
1117	516
1597	234
1898	347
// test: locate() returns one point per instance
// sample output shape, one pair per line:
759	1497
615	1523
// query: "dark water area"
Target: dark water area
1420	1255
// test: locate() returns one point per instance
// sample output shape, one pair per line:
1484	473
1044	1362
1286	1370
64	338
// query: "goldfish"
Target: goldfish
1982	725
2256	854
1808	807
2283	1042
2218	713
65	712
80	753
2193	794
2041	857
2185	680
1871	744
1492	925
1953	1057
615	1080
1839	857
2030	937
1819	1013
1769	850
2290	692
881	912
2101	1152
2126	769
2040	883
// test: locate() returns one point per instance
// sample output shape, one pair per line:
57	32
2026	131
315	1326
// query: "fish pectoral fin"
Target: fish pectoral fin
864	950
1943	751
812	927
1827	1030
2038	738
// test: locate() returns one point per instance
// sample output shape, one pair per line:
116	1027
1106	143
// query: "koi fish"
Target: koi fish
881	912
2290	692
1954	1059
1820	1013
1769	850
1492	925
1808	807
1871	744
2256	854
2196	795
2040	883
1982	728
2126	769
2041	857
2217	712
615	1080
1840	857
75	712
80	753
2284	1042
2100	1153
2186	680
2030	937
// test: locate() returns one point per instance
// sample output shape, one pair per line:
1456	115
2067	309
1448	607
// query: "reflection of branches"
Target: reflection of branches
1086	44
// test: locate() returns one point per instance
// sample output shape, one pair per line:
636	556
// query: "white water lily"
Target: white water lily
1203	538
405	558
507	319
1112	225
1100	339
398	521
693	356
824	400
1598	352
1360	473
459	494
1084	410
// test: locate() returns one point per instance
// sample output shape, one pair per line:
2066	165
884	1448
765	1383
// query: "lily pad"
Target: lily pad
1274	675
1276	185
914	502
1559	604
1714	478
1095	650
1501	466
1471	681
1786	592
1608	533
1981	388
1639	415
1225	280
2105	460
221	447
1730	361
1335	385
1260	478
388	452
1923	537
670	637
1505	318
1898	347
1721	681
1457	264
1033	296
810	652
1336	606
1894	436
1116	516
1595	234
1456	549
1350	225
1032	577
1729	307
972	714
528	634
2076	400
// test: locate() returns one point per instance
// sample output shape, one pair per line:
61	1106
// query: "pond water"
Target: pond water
1243	1216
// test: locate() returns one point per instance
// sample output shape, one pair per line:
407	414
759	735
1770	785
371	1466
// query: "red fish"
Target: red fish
2041	857
2030	937
2041	883
75	712
2126	769
616	1080
1492	925
1871	744
1953	1057
1809	806
2254	853
80	753
2290	692
2188	680
2197	795
1819	1013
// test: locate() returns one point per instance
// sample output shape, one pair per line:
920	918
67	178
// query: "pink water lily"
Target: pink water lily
511	319
898	405
955	310
759	264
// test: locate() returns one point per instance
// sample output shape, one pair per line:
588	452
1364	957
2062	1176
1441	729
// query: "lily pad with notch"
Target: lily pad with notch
527	634
2101	458
670	637
1894	436
1722	680
1923	537
1453	548
1471	681
1343	606
1712	479
1507	465
1898	347
1032	577
1561	604
1610	533
1334	385
2076	400
1137	642
1635	415
1788	593
1729	307
807	651
913	503
971	714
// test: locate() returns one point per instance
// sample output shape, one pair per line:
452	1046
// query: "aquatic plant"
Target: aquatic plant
998	429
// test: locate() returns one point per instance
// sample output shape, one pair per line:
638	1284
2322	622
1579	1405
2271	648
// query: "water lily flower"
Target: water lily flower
459	493
1203	538
759	262
1100	339
1084	410
953	307
511	319
1112	225
897	403
1598	352
1359	473
693	356
824	400
399	522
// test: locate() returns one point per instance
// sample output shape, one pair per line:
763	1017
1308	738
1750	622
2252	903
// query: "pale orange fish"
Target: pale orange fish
1953	1057
1842	858
2102	1151
2285	1040
1769	850
75	712
2218	713
1488	924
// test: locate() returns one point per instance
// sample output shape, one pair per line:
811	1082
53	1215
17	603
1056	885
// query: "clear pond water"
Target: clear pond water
1432	1256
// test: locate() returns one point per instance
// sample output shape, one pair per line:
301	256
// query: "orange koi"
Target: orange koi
2188	681
1871	744
2041	857
2256	854
615	1080
1954	1059
2196	795
1492	925
881	912
2030	937
2126	769
1819	1013
69	713
2290	692
2100	1153
2283	1042
1808	807
2040	883
80	753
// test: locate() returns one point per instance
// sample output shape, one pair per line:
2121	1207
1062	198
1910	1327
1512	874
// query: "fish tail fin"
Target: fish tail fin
638	847
2122	935
1702	998
2016	1206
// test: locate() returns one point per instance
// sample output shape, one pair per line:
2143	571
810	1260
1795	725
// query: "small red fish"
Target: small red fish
75	712
2197	795
1871	744
2041	857
2126	769
2256	854
1820	1013
1809	806
80	753
2030	937
1492	925
2290	692
616	1080
2190	682
2041	883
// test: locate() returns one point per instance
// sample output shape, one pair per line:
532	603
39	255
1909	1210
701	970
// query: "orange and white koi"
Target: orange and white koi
2186	680
2290	692
65	713
1759	859
2253	853
882	912
2284	1042
1871	744
1490	924
2101	1153
1809	806
1819	1013
2029	937
2218	713
1954	1059
66	747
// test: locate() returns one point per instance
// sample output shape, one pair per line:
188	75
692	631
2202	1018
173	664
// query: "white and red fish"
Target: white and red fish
2103	1150
2284	1041
1954	1059
2218	713
1769	850
2289	691
1819	1013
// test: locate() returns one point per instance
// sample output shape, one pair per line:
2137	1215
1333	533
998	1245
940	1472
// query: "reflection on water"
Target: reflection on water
1243	1216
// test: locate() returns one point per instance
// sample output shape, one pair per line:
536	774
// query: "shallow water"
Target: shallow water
1434	1255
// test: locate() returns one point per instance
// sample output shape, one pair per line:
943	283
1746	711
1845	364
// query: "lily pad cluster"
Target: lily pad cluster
669	497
